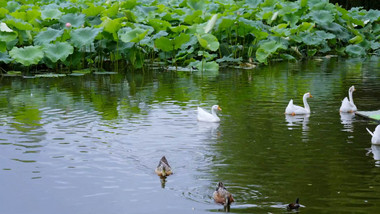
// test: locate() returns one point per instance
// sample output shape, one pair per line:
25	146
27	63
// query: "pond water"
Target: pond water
90	144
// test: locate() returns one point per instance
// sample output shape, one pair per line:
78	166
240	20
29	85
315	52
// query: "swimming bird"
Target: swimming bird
208	117
293	206
348	103
163	169
375	135
222	196
294	109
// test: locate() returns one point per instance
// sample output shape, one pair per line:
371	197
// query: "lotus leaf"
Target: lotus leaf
253	3
205	66
180	40
84	36
19	24
159	24
93	10
196	5
8	36
322	17
266	49
3	12
12	6
195	17
28	55
51	14
208	41
135	35
164	43
373	15
355	50
4	57
111	25
47	36
76	20
58	51
356	40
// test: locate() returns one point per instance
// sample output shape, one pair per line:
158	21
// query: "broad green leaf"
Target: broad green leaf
253	3
205	66
93	10
84	36
266	49
180	40
47	36
111	25
76	20
4	57
356	40
194	18
196	4
19	24
8	36
3	12
50	13
355	50
58	51
164	43
208	41
281	30
29	55
373	15
322	16
159	24
3	47
135	35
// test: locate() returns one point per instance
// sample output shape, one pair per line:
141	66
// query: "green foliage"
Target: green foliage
84	36
58	51
184	33
29	55
47	36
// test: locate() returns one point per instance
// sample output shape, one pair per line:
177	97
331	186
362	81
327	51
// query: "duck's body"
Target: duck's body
293	206
209	117
222	196
375	135
163	169
296	110
348	104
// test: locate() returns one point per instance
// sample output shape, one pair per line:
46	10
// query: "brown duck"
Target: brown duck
163	169
293	206
222	196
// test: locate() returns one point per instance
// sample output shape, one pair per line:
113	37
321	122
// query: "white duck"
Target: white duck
294	109
348	103
209	117
375	135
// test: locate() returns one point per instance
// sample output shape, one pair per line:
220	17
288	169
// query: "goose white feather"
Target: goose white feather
375	135
348	103
209	117
294	109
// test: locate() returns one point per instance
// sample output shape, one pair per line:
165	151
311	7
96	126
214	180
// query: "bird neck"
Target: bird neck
307	107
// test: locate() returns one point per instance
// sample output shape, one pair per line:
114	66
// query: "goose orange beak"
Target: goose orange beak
219	108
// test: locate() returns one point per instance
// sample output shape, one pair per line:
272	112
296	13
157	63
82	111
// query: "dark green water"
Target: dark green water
90	144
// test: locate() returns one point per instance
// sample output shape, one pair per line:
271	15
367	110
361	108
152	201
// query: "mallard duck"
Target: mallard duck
348	103
222	196
293	206
294	109
209	117
375	135
163	169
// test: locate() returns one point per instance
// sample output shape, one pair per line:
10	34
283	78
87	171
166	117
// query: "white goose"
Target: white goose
375	135
209	117
294	109
348	103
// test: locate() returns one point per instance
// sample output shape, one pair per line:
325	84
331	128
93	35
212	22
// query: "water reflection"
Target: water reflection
297	120
346	119
210	129
375	150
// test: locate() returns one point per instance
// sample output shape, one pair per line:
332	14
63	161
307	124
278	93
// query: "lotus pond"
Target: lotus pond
62	36
90	144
